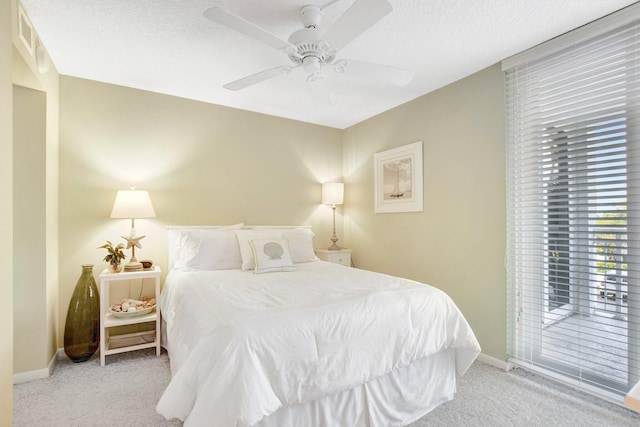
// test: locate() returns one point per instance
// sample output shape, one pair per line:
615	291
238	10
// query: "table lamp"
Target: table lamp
133	204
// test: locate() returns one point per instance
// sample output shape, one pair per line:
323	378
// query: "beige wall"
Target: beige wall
6	216
201	163
38	288
206	164
458	242
29	227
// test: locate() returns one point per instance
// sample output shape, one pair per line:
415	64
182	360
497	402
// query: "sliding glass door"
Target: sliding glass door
573	196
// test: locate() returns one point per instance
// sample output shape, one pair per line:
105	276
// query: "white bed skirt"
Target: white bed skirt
395	399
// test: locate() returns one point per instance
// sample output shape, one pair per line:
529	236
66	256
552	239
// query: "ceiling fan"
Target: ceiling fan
314	50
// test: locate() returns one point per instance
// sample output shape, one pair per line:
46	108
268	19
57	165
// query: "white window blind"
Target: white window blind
573	200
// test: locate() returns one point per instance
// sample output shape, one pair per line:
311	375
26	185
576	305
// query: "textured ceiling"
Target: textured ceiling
167	46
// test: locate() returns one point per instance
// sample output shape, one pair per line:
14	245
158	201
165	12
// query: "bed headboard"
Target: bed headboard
174	231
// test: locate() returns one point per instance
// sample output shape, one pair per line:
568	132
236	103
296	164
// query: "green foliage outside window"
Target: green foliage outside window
609	249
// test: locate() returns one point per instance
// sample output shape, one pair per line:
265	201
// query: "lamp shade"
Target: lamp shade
332	193
132	204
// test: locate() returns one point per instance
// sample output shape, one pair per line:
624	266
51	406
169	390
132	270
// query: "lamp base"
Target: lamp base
334	237
334	247
133	265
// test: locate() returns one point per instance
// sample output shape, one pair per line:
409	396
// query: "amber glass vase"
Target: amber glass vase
82	327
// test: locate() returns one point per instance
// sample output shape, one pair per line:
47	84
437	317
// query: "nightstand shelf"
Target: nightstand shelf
341	256
123	342
110	320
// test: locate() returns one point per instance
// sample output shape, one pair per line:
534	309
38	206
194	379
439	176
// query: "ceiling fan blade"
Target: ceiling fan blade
241	25
383	73
356	20
319	91
257	78
329	4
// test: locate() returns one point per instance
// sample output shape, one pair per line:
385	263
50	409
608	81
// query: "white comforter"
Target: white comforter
243	345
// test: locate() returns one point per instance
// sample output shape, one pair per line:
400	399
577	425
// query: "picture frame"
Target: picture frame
398	179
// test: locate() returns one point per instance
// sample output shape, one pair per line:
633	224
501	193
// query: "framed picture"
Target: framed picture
398	179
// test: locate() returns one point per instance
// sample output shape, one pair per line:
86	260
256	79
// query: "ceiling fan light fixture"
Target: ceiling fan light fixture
311	64
320	50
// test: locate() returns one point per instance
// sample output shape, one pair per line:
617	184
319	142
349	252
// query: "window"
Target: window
573	200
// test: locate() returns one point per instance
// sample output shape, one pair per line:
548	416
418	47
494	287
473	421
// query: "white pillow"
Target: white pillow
271	255
215	249
300	241
245	236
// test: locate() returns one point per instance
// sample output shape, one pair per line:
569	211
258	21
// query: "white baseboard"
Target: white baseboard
24	377
490	360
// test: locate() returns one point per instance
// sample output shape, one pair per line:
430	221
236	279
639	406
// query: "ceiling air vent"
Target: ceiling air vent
25	30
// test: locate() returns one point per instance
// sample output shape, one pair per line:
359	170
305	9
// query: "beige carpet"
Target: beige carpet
125	392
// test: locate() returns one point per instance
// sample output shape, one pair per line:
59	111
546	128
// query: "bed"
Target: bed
260	332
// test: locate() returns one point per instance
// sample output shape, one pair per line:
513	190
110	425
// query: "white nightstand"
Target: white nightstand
132	341
342	256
